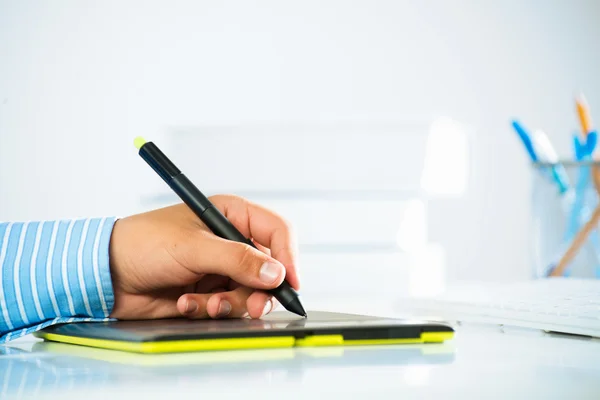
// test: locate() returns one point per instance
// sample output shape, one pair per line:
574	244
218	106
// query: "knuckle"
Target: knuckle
247	260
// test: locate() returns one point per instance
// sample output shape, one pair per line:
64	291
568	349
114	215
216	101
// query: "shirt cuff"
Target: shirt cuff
55	272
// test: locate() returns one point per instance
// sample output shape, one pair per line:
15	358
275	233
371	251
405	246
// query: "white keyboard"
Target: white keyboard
563	305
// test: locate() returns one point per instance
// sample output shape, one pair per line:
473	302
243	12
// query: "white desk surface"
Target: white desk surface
483	361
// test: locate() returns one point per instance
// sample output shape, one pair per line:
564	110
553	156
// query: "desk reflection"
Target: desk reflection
56	367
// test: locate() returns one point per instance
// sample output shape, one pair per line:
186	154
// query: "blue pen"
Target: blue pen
525	138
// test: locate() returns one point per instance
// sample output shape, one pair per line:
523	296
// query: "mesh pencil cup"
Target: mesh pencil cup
566	233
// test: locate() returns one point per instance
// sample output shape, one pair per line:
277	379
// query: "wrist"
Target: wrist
116	261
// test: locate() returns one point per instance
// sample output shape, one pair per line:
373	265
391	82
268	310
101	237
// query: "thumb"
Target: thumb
240	262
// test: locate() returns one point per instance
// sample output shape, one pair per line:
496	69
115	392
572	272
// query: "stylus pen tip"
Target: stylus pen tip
295	307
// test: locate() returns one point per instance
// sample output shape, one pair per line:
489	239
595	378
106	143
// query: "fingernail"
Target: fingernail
270	271
224	308
191	307
267	309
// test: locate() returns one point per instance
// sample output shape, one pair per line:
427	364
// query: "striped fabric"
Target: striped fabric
53	272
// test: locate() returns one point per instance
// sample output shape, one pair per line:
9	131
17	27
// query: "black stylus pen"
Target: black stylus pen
208	213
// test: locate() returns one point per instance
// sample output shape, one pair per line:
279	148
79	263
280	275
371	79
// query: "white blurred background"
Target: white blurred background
381	129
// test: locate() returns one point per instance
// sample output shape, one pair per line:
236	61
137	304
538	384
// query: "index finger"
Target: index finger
266	228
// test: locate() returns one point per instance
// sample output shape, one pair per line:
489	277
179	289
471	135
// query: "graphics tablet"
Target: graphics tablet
277	330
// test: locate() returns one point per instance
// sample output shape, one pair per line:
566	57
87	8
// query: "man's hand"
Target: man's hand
167	263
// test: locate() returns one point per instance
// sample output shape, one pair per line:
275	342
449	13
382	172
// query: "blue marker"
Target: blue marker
533	155
526	139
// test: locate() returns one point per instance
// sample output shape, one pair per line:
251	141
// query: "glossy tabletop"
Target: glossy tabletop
482	361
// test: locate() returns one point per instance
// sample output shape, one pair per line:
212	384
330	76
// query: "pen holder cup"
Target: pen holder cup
566	232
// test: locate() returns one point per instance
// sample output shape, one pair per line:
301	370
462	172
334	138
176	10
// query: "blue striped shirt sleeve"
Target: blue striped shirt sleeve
53	272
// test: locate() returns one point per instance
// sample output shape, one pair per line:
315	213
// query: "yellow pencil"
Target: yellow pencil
583	111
